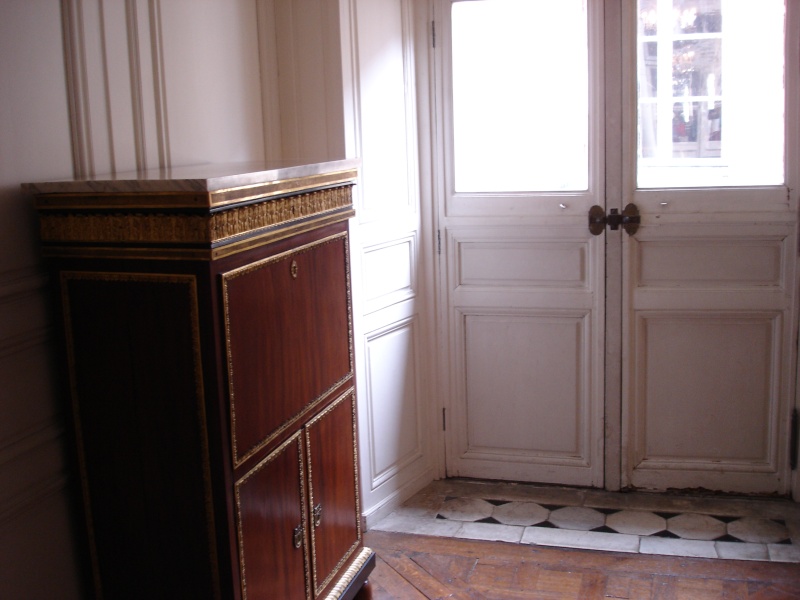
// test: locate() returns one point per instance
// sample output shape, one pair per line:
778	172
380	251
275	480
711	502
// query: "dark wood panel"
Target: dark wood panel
134	354
288	335
332	459
271	501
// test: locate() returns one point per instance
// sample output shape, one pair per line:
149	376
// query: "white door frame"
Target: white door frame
617	183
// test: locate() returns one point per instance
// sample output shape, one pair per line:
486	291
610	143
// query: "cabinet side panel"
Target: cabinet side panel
288	332
334	501
137	394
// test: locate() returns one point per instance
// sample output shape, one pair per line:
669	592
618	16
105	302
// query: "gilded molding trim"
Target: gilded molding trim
348	576
186	228
226	277
338	179
251	217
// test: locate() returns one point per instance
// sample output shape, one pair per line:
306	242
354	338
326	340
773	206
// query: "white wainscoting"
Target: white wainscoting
710	365
393	324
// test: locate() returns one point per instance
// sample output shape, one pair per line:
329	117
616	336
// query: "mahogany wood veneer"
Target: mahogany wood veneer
207	330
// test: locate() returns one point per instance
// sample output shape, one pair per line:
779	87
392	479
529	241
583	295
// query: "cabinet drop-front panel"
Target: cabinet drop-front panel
288	338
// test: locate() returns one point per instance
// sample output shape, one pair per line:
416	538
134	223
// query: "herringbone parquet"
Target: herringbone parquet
423	567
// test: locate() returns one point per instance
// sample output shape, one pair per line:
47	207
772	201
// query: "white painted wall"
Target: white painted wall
88	87
35	532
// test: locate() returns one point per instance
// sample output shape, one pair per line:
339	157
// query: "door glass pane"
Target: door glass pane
520	95
696	58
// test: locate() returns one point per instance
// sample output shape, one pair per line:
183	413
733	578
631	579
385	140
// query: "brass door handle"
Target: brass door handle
629	219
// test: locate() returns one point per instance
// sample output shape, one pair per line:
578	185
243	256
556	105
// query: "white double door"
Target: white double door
659	359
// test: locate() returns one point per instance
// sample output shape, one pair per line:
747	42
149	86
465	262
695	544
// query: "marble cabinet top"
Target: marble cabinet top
203	179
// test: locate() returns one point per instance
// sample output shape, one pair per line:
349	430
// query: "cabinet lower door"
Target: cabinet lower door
333	493
273	550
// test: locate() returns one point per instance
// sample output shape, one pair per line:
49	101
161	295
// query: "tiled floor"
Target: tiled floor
699	526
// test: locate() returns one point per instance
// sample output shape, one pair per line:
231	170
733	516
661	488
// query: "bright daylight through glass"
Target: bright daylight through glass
711	96
520	95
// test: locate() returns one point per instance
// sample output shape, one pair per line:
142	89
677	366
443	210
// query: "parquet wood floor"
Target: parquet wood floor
423	567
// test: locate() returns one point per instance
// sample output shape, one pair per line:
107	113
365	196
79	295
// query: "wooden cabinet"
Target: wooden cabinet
207	330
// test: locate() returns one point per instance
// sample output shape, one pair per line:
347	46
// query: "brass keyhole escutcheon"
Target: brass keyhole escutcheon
317	515
298	534
293	269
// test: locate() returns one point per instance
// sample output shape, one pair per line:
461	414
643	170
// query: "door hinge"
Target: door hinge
444	419
793	440
438	241
433	34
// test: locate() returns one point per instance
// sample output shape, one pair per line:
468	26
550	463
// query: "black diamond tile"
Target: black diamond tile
786	542
551	507
441	517
667	515
546	524
604	529
498	502
667	534
607	511
489	520
727	538
726	519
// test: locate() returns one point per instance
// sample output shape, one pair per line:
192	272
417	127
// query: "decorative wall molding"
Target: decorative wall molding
394	400
38	452
77	90
111	115
159	83
21	282
21	294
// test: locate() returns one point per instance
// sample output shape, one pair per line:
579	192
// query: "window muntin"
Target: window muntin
702	63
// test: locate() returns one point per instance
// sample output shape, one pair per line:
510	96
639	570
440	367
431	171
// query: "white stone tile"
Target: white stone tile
636	522
466	509
784	553
742	551
672	547
577	517
762	531
589	540
520	513
422	526
490	531
696	527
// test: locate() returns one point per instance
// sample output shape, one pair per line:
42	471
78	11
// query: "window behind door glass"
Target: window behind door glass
710	93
